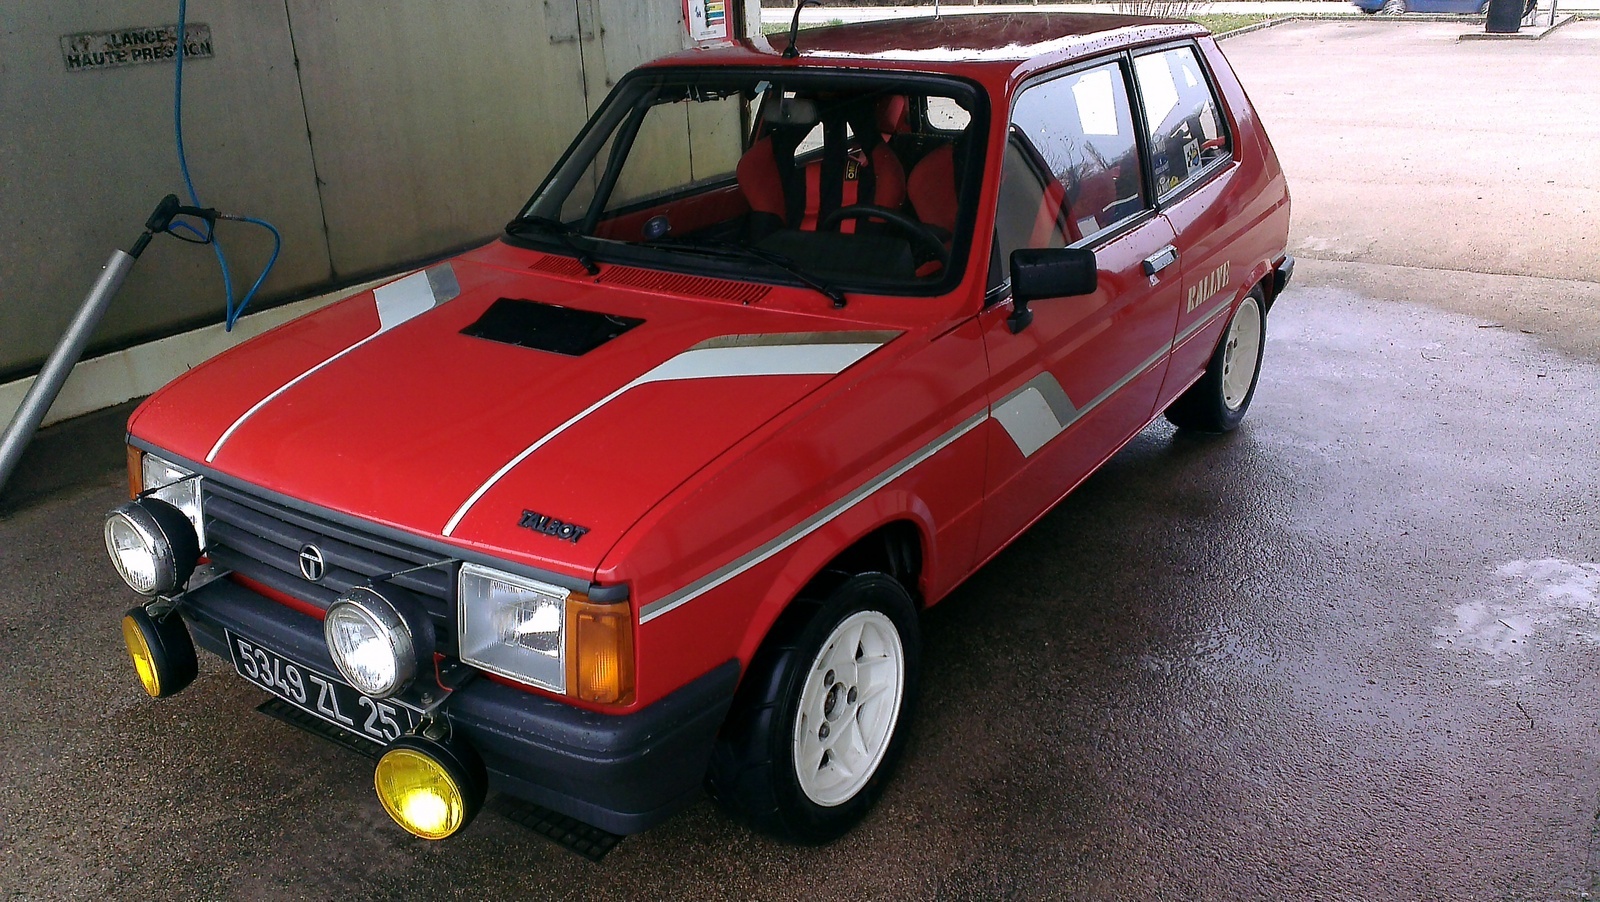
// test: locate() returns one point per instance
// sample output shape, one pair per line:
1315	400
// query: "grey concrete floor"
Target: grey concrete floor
1349	652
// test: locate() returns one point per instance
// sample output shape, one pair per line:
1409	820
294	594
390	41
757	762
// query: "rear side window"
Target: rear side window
1187	133
1072	161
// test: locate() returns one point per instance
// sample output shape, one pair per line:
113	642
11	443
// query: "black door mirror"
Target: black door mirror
1049	272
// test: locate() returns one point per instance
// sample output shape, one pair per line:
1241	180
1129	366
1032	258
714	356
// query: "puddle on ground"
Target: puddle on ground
1528	602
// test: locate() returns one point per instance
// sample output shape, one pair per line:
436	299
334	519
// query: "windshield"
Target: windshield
839	180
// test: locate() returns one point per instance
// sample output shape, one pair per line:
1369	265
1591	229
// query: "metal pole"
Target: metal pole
48	384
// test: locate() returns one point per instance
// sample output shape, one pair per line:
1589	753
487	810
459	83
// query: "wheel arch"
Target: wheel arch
892	532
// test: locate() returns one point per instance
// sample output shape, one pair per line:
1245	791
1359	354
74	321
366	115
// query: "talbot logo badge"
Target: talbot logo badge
312	566
550	526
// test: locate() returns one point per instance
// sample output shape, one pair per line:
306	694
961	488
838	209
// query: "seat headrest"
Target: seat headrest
779	110
891	114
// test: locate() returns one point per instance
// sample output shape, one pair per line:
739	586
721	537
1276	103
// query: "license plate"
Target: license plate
378	720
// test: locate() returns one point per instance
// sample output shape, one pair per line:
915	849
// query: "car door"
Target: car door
1069	388
1191	151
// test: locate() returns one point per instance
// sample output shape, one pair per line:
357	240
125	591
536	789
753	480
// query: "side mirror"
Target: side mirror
1049	272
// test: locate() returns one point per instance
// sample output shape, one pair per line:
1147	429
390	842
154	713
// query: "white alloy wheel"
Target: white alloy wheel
848	708
1242	353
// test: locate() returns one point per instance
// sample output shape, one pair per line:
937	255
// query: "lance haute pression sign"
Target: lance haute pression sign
132	46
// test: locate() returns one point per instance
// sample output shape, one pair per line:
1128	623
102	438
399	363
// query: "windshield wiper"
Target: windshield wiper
563	233
732	249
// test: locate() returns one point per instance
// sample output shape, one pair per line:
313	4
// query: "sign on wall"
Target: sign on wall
707	20
131	46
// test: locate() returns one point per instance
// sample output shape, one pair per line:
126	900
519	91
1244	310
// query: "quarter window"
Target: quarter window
1072	161
1186	131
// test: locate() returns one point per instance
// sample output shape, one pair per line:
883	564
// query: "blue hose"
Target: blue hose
232	311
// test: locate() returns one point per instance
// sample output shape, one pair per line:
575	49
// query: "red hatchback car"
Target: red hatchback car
646	495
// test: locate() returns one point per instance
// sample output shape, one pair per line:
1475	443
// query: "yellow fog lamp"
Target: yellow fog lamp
431	787
162	652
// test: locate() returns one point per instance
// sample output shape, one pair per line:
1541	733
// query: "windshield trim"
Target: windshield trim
611	111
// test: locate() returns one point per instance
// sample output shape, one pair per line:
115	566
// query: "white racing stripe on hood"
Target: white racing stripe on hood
397	302
793	354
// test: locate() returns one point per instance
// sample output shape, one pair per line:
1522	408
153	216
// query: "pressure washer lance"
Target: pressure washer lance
65	356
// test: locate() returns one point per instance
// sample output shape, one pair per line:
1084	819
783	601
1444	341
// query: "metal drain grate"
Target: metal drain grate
295	717
574	835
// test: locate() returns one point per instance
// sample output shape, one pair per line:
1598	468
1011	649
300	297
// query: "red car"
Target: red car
646	495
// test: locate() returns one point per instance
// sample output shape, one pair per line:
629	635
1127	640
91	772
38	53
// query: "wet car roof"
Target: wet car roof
970	44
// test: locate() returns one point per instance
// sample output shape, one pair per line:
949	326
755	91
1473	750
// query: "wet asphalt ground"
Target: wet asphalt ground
1348	652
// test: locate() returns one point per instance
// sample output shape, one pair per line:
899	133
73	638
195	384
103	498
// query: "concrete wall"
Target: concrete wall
408	128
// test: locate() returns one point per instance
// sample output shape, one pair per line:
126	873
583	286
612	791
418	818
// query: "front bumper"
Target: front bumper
622	774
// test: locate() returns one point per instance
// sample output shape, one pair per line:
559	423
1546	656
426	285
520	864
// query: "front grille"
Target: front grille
262	539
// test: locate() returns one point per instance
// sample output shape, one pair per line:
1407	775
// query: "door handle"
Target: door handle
1160	260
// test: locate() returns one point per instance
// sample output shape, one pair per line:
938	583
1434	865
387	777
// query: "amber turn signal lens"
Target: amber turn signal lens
600	651
135	471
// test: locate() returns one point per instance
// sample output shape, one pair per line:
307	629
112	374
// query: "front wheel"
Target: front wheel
823	713
1217	402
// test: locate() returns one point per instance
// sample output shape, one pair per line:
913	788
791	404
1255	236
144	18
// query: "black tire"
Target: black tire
753	774
1206	406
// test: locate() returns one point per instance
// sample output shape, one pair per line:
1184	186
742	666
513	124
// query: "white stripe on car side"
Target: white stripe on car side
807	526
397	302
1032	415
1039	410
722	357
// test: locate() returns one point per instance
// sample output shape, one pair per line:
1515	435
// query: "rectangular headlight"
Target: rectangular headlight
175	486
512	626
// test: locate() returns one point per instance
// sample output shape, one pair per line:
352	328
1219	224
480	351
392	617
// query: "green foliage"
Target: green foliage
1222	23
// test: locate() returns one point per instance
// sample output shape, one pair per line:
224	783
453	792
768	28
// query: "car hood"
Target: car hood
436	405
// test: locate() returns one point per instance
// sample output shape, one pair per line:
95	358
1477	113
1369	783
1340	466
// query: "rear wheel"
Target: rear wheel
1217	403
822	714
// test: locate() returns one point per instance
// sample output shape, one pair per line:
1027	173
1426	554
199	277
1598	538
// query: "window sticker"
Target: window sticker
1160	92
1191	155
1097	105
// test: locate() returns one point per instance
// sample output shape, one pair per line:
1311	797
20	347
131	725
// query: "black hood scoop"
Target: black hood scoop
548	327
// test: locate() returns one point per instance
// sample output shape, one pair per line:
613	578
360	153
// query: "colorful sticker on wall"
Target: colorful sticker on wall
707	20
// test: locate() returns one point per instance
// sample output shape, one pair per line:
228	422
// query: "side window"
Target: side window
1072	162
945	115
1187	133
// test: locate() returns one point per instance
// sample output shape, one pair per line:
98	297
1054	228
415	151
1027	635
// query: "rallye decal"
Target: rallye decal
398	302
1040	410
782	354
1205	289
807	526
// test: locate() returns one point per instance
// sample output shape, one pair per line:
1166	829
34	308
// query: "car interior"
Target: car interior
856	180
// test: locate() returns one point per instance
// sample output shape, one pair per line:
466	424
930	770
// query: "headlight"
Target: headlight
536	633
176	486
378	638
513	626
152	545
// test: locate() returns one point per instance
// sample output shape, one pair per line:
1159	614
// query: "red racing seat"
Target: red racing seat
782	194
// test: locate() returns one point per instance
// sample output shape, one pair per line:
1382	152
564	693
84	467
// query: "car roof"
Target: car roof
1010	44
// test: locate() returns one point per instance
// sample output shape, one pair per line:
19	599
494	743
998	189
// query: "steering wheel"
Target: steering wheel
919	233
